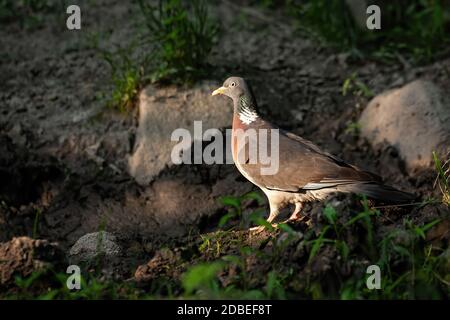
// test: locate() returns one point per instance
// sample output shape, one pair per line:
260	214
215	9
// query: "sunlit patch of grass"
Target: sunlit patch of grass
127	75
356	87
443	177
212	244
174	49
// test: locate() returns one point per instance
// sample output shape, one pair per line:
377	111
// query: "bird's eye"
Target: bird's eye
233	84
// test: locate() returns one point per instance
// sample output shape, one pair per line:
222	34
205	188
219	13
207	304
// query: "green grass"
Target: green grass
286	264
127	74
126	79
443	177
49	285
37	218
417	30
411	268
356	87
234	208
173	48
183	36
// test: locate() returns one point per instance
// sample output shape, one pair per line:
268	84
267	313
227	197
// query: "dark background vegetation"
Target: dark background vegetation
178	43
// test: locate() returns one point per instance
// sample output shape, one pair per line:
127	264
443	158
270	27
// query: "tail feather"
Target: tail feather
380	192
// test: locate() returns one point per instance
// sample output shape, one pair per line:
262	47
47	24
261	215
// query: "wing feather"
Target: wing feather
303	166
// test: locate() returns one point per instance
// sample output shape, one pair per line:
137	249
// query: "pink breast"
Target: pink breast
237	124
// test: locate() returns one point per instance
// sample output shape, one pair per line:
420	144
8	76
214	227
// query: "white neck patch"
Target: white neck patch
247	116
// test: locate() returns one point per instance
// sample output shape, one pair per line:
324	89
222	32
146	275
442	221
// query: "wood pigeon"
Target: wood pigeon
305	172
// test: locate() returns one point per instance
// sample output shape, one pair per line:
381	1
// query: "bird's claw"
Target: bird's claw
299	219
258	229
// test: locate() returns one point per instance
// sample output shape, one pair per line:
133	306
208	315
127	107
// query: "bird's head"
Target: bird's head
233	87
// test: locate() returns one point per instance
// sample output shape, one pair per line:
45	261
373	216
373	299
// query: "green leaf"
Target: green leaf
225	218
430	225
285	228
401	250
274	288
261	222
343	249
318	243
420	232
346	86
330	214
231	201
201	275
359	216
254	196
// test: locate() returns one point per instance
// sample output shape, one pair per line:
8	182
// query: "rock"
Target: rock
89	246
22	256
415	119
161	111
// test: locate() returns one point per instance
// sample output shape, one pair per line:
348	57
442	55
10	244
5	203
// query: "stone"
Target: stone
161	111
415	119
89	246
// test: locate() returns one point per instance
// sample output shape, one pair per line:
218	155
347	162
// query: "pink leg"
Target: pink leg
296	216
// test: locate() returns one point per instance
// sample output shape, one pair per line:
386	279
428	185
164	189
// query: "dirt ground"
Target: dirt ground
64	154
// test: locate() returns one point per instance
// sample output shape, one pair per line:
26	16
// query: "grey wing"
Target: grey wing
302	165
